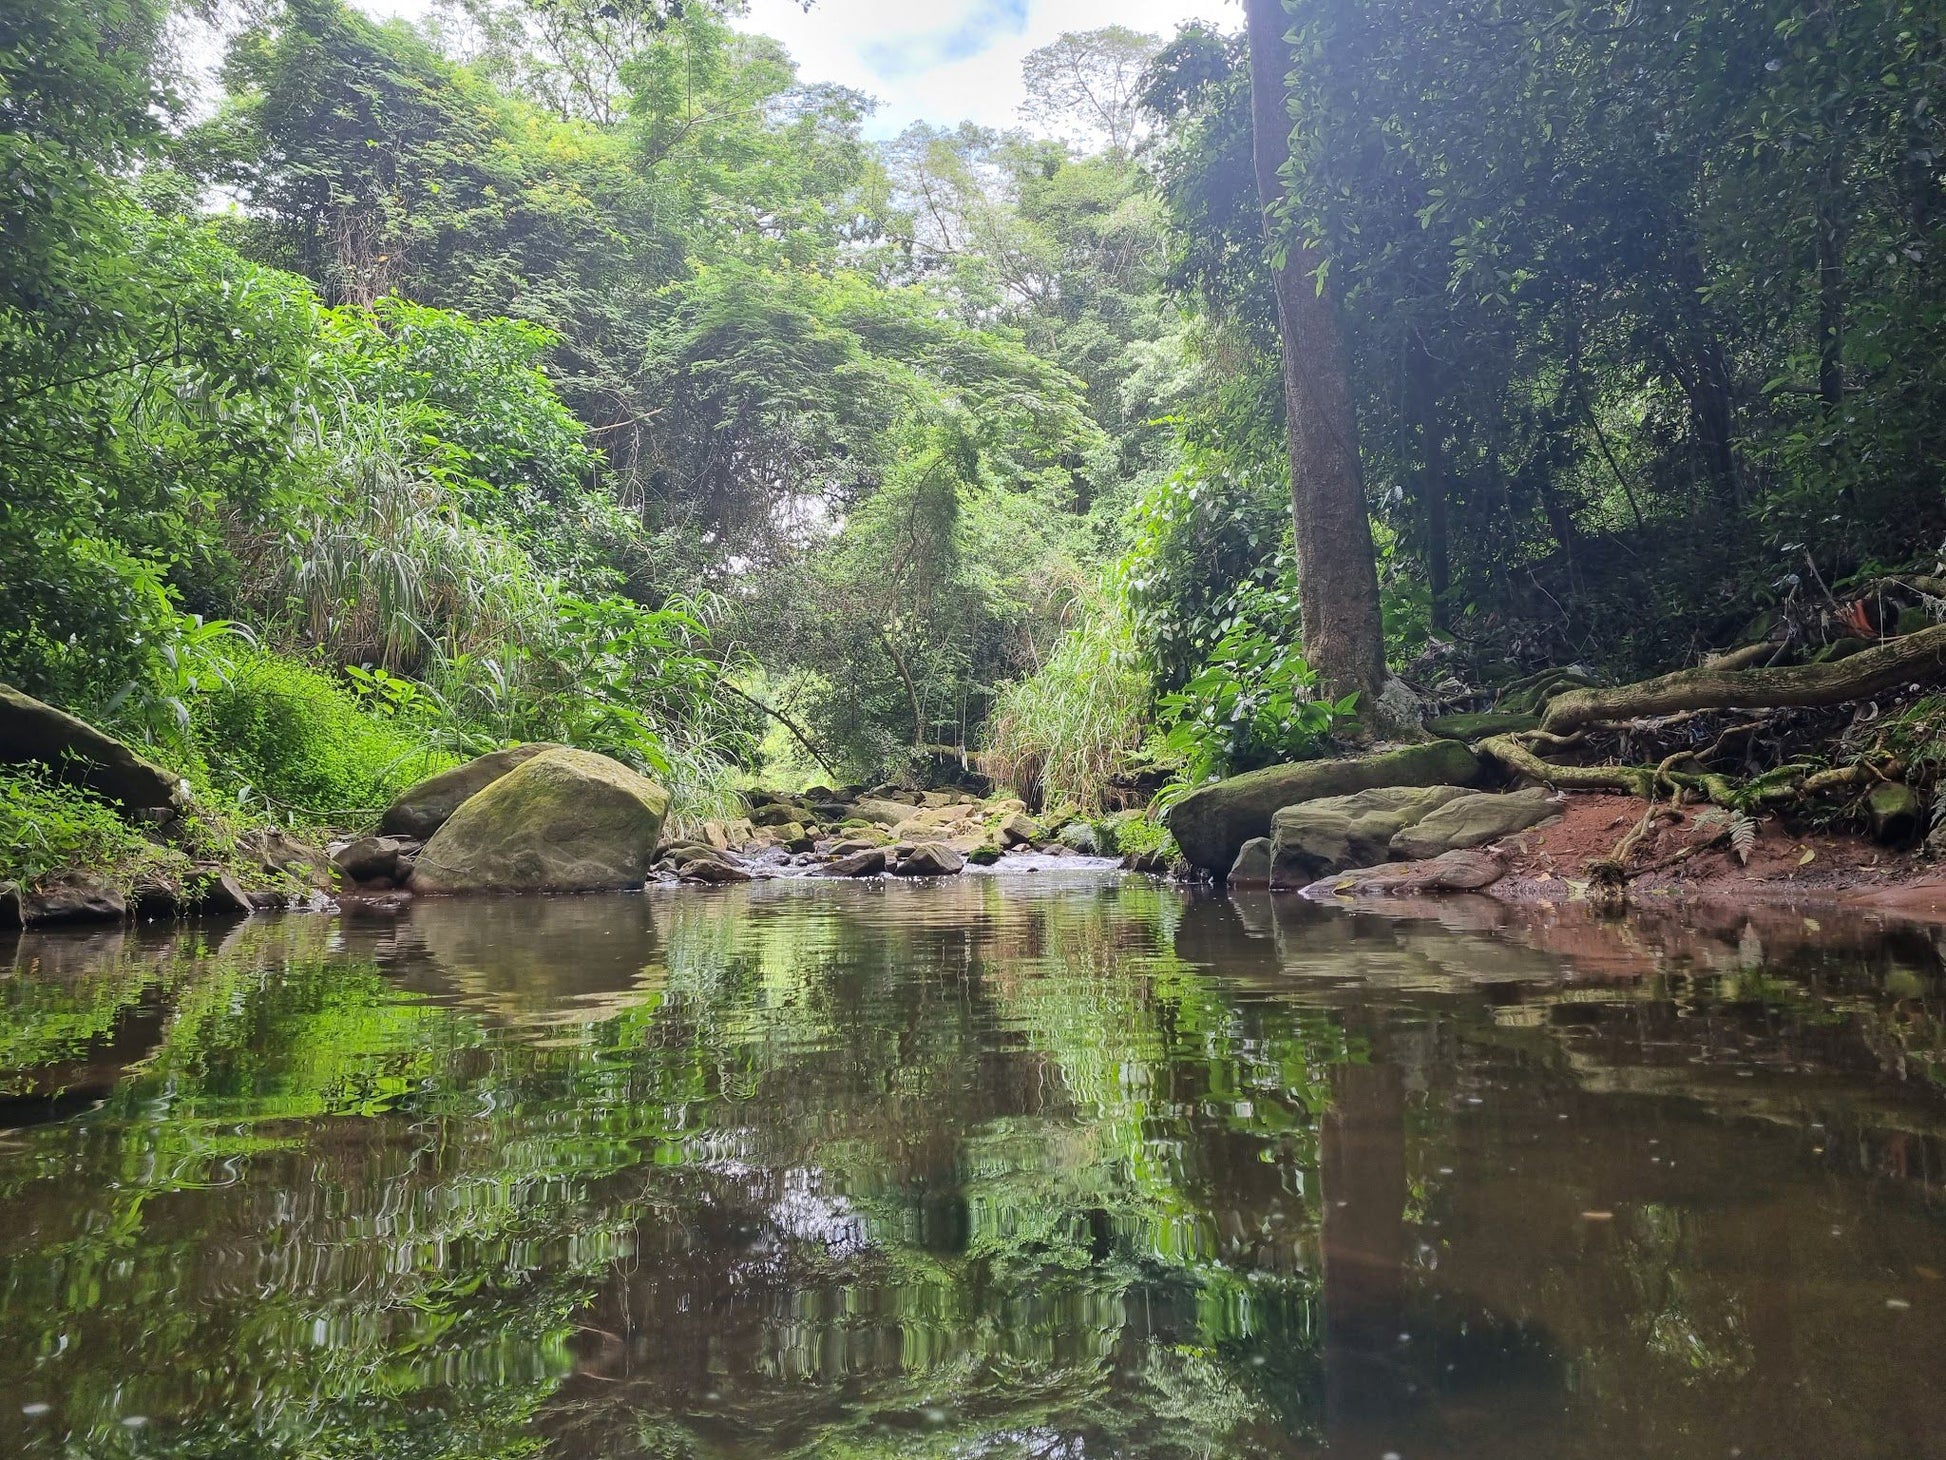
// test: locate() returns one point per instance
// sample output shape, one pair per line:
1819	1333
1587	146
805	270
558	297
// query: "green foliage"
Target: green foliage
46	827
1254	703
278	735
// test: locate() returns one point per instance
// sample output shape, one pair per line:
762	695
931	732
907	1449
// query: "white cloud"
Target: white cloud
944	61
910	56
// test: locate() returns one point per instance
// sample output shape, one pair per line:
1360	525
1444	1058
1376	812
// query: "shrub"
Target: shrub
280	734
46	827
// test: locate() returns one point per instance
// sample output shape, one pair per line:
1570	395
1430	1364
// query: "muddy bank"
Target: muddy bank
1683	858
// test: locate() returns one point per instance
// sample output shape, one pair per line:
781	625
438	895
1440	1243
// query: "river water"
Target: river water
1063	1164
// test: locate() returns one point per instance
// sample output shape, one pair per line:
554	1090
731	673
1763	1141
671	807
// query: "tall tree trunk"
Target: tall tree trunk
1422	389
1337	576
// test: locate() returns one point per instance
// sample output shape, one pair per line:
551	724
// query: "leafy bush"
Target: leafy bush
279	734
46	827
1254	703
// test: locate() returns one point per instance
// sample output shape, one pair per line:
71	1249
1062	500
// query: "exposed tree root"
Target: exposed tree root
1919	656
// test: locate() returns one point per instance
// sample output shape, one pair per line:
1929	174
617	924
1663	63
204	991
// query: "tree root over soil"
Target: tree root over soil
1571	716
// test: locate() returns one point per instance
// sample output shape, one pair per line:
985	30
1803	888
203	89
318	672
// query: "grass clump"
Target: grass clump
1063	734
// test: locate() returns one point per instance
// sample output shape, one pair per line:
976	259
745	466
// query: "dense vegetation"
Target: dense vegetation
585	373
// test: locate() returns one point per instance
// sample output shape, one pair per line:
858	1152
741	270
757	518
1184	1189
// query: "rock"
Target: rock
776	813
372	857
71	897
984	855
798	839
222	896
1477	727
565	821
1315	838
1252	866
716	835
281	854
422	810
852	845
928	859
1473	821
1212	823
709	869
1897	813
154	897
883	813
1019	830
865	862
1460	871
79	754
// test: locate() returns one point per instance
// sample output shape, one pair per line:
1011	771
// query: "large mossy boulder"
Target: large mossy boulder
76	752
1316	838
1211	824
565	821
422	810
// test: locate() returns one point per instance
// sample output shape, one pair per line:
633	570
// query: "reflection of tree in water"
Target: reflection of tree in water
884	1171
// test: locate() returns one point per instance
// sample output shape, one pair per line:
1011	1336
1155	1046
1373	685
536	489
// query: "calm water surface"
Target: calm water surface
1062	1165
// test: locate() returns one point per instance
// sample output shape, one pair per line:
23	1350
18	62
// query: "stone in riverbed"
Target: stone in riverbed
1314	838
1252	866
422	810
1211	824
1473	821
1019	830
865	862
983	855
565	821
929	859
884	813
710	869
1460	871
70	897
372	857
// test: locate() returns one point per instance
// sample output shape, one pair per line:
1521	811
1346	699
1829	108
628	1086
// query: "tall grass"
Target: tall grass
1066	732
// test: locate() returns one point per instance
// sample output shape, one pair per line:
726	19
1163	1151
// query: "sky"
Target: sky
938	61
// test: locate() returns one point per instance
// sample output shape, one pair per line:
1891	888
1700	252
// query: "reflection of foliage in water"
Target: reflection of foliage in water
388	1210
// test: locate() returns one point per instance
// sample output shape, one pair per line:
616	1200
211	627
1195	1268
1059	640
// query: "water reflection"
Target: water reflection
1069	1166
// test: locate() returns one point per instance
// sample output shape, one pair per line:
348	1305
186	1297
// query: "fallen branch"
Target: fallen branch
1898	661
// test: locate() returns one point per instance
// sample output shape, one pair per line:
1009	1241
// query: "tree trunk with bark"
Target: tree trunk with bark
1337	576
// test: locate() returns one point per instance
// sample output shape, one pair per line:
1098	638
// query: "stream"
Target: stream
1059	1164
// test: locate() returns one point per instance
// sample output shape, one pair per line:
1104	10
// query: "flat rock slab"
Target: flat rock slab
79	754
425	808
1212	823
566	821
928	859
1462	871
1473	820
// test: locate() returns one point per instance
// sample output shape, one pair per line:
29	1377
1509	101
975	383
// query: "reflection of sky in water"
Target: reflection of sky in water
1063	1165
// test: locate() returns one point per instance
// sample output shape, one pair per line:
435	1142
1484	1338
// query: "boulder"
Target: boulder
865	862
422	810
1461	871
1896	811
81	755
1473	821
1080	836
1019	830
983	855
716	835
1252	866
928	859
222	896
565	821
71	897
1212	823
776	813
884	813
1315	838
372	857
281	854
